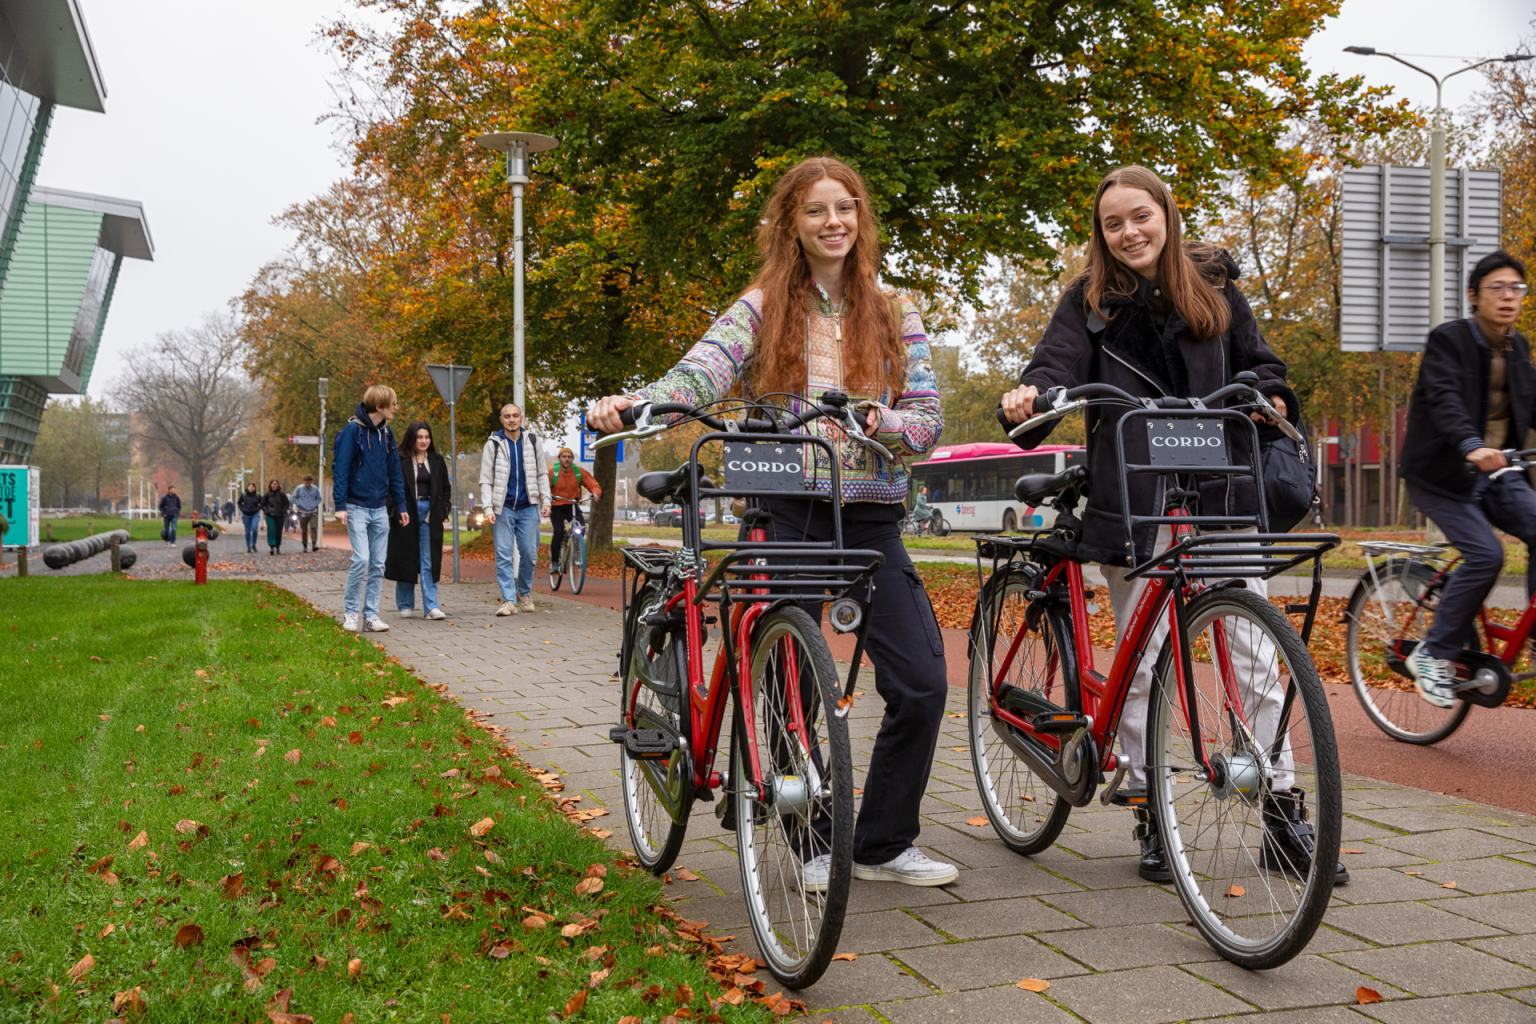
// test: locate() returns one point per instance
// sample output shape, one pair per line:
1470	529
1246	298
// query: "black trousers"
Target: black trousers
907	650
559	515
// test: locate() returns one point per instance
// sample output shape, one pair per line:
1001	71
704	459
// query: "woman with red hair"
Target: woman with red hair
815	319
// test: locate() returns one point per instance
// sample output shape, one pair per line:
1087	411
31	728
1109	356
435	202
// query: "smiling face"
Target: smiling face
423	440
825	233
1135	228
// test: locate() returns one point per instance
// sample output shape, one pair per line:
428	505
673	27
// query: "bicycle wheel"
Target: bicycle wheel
1256	905
650	787
557	569
578	563
1398	604
1026	814
795	846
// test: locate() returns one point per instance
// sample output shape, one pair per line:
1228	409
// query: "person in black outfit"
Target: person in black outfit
274	505
416	548
1157	317
250	514
170	511
229	511
1473	398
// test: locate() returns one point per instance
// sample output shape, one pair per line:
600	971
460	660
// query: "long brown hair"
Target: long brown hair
1190	273
874	356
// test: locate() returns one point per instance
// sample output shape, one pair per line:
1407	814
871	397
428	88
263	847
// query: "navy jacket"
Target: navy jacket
170	506
365	466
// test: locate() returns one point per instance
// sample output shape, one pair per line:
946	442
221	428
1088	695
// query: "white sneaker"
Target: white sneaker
349	622
1434	678
406	613
816	873
912	867
507	608
435	613
376	625
525	603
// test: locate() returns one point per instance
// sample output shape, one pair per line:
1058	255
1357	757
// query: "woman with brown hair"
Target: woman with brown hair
274	505
816	319
1157	316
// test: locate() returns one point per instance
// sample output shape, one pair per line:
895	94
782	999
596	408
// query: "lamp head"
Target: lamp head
1364	51
1514	58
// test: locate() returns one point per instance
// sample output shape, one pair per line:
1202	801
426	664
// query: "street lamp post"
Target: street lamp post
1436	172
518	146
324	388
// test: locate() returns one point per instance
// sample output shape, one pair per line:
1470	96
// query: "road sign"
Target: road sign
589	452
21	501
450	379
1385	260
303	438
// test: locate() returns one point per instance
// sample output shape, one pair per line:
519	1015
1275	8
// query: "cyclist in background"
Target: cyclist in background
566	480
817	320
1156	316
1473	397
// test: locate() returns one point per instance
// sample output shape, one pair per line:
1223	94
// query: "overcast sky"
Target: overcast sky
213	115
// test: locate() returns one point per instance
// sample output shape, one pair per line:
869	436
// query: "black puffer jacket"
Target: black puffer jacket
250	503
1128	352
275	504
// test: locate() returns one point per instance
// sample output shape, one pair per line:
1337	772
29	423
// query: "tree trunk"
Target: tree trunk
606	469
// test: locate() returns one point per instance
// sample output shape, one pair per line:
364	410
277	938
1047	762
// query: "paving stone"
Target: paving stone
1136	945
1454	844
985	963
1519	948
1419	819
1391	924
1151	995
1313	1015
1121	906
865	981
990	918
1305	981
1438	969
1099	844
1104	873
884	930
1387	885
1405	797
1482	1009
1004	1005
1020	879
1374	855
1513	912
1484	875
866	897
1525	995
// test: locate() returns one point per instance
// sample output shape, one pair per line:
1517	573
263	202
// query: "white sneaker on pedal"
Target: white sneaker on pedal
376	625
912	867
816	873
351	623
1434	678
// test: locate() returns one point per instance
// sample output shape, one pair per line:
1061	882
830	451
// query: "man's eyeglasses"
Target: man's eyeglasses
1502	288
845	208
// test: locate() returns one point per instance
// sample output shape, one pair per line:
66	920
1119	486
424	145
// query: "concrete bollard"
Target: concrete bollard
21	561
117	554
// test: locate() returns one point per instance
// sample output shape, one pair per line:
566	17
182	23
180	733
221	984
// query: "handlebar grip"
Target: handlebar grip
1041	406
627	416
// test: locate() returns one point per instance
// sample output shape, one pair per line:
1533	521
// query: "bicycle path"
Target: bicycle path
1114	950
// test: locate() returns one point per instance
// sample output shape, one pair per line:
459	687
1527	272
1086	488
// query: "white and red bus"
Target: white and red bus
971	485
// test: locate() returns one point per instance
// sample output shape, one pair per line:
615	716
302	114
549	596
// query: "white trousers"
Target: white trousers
1253	662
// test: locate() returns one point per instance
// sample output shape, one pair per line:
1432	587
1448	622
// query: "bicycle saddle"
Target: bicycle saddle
661	484
1034	488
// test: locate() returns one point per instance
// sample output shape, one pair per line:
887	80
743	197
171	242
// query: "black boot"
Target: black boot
1154	862
1288	837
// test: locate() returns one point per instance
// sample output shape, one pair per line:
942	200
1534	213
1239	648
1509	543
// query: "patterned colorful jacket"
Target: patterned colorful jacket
910	422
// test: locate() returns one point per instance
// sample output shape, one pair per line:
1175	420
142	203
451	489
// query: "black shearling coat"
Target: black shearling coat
402	562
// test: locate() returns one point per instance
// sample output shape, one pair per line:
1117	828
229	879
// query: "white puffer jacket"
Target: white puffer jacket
496	470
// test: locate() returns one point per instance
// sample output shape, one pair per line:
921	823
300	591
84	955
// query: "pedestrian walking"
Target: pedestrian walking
416	547
514	485
306	503
170	511
229	512
274	505
817	320
250	513
368	493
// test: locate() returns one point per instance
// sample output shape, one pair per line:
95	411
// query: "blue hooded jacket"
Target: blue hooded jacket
365	466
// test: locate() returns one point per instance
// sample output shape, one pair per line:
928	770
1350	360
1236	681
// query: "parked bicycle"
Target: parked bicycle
1236	713
1389	614
573	553
788	790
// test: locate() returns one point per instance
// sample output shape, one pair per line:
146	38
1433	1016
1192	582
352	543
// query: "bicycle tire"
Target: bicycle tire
1198	818
796	929
1006	784
1381	610
655	836
579	570
555	568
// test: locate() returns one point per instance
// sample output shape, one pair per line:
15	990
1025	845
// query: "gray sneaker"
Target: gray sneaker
912	867
1434	678
525	603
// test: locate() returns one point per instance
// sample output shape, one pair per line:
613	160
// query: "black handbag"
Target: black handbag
1290	476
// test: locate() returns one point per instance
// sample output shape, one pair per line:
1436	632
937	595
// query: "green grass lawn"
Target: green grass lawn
77	527
220	805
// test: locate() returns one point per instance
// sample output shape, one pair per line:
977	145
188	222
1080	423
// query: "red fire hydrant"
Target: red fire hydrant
202	553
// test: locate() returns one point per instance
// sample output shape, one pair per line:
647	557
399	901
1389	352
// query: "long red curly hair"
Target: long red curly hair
874	357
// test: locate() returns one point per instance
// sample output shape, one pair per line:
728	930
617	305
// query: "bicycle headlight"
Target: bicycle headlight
846	614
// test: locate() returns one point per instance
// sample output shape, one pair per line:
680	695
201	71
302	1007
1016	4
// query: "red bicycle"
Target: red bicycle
1236	713
788	792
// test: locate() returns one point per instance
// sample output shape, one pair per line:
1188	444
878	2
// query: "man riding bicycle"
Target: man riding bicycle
566	480
1473	398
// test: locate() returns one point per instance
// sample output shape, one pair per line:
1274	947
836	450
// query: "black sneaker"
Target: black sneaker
1154	861
1288	837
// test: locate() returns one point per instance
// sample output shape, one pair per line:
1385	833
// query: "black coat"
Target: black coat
1080	348
250	503
402	563
275	504
170	506
1450	406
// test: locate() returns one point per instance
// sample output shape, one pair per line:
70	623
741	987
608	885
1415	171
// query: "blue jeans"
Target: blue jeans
170	530
252	528
368	532
405	593
518	528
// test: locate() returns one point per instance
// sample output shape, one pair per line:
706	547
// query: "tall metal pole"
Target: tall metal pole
453	477
517	173
324	387
1437	216
262	487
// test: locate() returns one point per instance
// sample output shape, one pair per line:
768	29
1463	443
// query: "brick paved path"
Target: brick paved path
1115	949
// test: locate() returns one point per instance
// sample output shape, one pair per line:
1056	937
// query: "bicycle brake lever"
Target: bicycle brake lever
1270	413
856	432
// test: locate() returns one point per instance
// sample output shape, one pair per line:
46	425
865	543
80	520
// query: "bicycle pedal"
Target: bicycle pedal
643	744
1297	609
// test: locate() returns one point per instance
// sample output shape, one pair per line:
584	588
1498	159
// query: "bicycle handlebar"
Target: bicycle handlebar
1055	403
833	405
